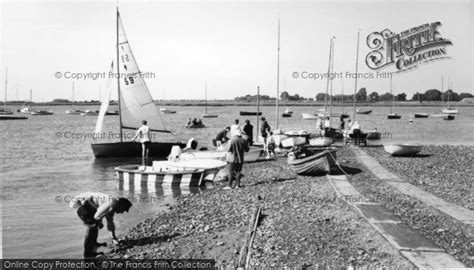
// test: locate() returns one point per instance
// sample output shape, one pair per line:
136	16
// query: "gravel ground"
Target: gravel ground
444	171
455	237
303	225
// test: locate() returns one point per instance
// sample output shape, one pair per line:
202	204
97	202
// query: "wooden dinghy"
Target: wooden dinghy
402	149
312	162
171	176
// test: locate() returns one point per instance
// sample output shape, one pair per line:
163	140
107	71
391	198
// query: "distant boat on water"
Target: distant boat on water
167	111
5	113
90	113
360	111
73	111
309	116
250	113
41	112
287	113
448	117
392	115
421	115
135	104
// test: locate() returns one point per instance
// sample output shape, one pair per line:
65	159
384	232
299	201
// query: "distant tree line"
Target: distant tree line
362	96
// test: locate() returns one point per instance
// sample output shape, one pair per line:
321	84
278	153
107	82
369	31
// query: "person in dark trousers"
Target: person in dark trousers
221	137
342	124
265	131
91	208
248	130
236	159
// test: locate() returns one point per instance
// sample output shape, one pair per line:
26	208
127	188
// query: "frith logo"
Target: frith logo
408	49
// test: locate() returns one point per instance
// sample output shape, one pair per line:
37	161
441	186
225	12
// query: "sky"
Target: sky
231	45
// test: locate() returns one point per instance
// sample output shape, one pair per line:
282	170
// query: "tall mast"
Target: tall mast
278	74
342	98
393	97
258	108
327	81
332	72
72	105
205	93
6	87
356	75
118	77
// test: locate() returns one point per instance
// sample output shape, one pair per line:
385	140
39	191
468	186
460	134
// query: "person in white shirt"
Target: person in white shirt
91	208
143	135
235	129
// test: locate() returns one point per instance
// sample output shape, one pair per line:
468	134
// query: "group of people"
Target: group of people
194	122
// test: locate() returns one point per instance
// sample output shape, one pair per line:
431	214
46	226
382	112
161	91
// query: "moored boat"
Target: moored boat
312	162
402	149
360	111
250	113
90	113
167	111
449	117
450	111
394	116
287	113
13	117
195	126
421	115
74	111
41	112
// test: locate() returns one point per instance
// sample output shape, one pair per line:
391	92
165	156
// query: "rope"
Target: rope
338	165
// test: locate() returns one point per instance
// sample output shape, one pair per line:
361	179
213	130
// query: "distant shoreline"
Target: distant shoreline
253	104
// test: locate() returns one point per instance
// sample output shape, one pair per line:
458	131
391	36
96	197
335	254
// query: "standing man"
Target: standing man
236	159
91	208
265	131
143	133
248	130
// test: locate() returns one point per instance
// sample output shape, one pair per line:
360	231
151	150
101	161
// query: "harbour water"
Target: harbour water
48	159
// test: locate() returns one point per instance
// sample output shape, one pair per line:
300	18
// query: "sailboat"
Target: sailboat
418	114
6	114
26	109
72	110
449	110
135	104
206	115
392	115
343	114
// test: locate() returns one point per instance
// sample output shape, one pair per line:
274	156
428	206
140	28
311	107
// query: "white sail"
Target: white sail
136	101
105	102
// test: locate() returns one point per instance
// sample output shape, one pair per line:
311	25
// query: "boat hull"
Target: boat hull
196	126
450	111
321	141
13	117
421	115
309	116
250	113
132	149
402	149
41	113
209	116
394	116
317	164
449	117
251	156
131	175
363	112
286	115
293	141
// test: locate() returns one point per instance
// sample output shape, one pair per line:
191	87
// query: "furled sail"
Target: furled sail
105	102
136	101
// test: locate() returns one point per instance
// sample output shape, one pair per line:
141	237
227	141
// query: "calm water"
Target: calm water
42	163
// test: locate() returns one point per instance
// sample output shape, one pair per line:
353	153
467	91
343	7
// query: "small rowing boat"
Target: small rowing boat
402	149
359	111
312	162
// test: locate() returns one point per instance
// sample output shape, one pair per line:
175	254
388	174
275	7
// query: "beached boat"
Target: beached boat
373	135
135	104
448	117
360	111
293	141
321	141
421	115
251	156
250	113
402	149
312	162
159	176
309	116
